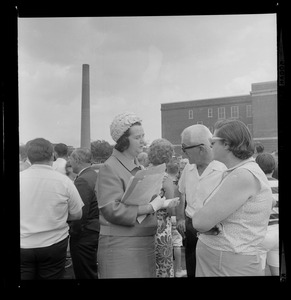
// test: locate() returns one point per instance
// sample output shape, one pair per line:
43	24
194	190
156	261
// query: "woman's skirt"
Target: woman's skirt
212	262
126	257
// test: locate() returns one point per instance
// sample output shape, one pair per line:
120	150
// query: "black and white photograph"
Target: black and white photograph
148	146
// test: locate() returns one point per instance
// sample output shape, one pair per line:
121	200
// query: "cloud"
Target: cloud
155	60
136	63
50	82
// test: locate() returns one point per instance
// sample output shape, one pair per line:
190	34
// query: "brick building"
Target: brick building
258	110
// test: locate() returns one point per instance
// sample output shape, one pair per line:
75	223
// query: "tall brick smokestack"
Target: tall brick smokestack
85	114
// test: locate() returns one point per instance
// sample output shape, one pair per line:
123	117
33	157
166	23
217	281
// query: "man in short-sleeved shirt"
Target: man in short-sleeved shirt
47	201
199	178
198	187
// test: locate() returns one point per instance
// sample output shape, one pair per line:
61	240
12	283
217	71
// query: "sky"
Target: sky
136	64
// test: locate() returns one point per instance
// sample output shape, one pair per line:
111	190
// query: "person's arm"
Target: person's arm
168	187
180	215
75	202
87	195
180	209
175	195
109	190
75	216
236	189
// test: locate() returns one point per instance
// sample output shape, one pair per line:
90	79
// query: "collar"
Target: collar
61	159
83	170
41	166
251	159
217	165
190	166
213	165
129	164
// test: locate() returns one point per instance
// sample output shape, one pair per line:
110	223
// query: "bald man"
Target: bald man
198	179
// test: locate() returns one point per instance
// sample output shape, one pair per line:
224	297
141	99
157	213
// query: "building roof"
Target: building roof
264	87
257	88
206	102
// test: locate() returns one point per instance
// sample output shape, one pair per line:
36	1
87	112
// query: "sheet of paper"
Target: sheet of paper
141	218
144	185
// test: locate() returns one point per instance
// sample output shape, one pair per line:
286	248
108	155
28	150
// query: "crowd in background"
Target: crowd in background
226	215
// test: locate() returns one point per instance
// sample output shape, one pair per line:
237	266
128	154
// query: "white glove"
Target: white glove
157	203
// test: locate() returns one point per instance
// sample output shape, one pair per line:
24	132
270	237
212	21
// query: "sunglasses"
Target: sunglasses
215	139
185	147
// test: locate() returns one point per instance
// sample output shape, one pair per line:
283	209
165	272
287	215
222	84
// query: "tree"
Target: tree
101	150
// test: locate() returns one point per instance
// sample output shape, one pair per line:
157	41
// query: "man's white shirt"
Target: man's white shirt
197	188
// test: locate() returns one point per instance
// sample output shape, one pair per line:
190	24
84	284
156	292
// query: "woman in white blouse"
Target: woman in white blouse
234	219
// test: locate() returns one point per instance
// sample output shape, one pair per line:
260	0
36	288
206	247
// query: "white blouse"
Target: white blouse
245	229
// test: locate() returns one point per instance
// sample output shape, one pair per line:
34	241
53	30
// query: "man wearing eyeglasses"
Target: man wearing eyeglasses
198	179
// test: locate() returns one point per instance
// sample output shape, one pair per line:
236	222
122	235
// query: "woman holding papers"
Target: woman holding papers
126	246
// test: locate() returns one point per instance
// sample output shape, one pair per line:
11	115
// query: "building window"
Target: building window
221	112
200	122
190	114
210	113
249	111
250	127
234	112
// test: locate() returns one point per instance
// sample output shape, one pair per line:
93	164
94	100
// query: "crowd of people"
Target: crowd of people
224	207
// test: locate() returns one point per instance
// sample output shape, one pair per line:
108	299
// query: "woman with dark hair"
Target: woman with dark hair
126	247
239	208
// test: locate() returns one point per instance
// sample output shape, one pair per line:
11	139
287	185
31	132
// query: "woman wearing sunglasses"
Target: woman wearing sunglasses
239	207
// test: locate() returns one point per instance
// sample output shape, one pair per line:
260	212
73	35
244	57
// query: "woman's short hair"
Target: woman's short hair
160	151
123	142
82	155
39	150
237	135
266	161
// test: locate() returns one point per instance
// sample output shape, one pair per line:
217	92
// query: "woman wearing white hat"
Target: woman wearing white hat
126	247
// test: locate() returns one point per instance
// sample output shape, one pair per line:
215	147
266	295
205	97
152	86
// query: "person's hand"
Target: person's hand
174	202
181	227
171	203
157	203
213	231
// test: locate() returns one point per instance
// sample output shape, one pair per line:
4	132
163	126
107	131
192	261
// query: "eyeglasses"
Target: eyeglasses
185	147
215	139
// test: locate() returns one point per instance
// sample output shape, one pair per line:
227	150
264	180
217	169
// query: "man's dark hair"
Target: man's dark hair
259	147
39	150
266	161
61	149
